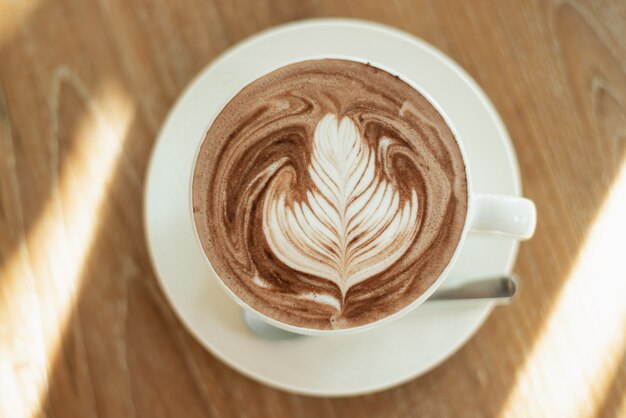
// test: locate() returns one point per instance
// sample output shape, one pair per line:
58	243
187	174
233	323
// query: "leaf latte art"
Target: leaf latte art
352	225
329	194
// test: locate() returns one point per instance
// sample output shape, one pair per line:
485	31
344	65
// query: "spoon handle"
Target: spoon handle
500	289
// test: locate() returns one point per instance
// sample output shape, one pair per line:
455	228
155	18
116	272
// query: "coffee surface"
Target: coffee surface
329	194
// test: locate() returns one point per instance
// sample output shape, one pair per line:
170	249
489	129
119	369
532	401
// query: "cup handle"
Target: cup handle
510	216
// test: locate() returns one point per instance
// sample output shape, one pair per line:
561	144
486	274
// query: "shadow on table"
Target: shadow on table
614	398
122	352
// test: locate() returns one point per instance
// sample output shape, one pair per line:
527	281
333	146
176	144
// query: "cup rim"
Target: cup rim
413	304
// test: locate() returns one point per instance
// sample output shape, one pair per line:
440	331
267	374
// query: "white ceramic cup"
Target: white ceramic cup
510	216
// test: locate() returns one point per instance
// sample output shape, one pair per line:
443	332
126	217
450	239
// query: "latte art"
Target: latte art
329	194
352	224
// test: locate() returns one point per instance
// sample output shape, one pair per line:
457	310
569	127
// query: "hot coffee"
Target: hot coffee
329	194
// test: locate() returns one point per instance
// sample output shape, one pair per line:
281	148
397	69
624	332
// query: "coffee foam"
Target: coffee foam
352	225
329	194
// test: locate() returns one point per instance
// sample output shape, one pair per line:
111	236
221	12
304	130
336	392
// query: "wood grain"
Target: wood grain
84	87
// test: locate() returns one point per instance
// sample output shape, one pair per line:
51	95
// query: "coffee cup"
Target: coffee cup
295	229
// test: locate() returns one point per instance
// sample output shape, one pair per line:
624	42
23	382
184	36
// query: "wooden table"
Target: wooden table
84	328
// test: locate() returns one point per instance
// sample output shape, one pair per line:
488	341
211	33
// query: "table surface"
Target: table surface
85	330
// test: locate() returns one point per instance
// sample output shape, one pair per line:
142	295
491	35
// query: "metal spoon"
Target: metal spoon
499	289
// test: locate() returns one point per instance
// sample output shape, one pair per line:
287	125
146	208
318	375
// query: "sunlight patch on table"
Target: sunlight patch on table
584	337
43	274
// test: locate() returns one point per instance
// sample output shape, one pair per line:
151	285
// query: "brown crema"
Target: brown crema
261	147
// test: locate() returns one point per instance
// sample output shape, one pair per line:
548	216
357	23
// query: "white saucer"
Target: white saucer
325	366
